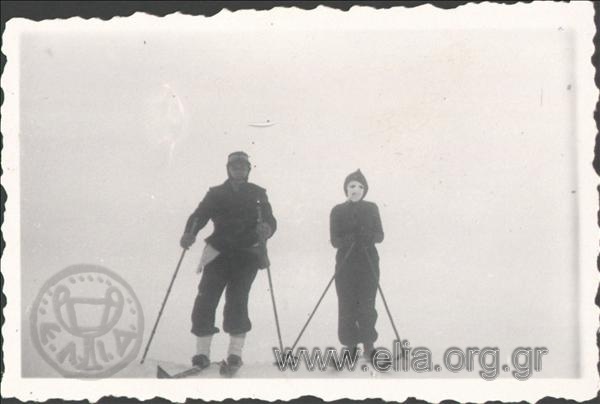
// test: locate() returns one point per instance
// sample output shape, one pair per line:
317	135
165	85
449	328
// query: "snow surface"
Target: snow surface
269	370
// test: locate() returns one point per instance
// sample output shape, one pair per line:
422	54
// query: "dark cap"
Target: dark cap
238	156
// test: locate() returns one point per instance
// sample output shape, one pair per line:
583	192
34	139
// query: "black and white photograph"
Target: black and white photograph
372	203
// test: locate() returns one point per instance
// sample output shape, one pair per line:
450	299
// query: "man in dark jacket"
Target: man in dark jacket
355	227
243	221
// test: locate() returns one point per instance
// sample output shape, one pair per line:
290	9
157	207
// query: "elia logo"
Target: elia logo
87	322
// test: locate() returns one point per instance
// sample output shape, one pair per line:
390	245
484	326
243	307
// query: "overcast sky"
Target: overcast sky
466	139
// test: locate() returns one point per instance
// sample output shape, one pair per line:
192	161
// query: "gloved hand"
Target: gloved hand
264	231
366	238
187	240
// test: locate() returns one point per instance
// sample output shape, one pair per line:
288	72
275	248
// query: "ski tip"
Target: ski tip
161	373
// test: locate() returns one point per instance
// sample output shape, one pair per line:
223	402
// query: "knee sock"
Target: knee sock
203	345
236	343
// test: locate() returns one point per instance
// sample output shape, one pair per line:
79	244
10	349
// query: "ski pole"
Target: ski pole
274	308
263	244
320	299
387	309
162	307
313	312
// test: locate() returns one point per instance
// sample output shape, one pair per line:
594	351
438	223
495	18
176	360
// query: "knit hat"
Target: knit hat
356	176
238	156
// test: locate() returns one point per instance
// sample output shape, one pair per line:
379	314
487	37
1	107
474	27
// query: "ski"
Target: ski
163	374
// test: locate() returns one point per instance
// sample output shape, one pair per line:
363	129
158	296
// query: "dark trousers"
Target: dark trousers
234	273
356	286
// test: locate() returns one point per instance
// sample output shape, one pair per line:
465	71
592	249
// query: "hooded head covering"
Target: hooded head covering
238	156
356	176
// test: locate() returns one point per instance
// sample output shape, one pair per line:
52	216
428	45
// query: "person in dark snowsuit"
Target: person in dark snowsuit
355	227
243	221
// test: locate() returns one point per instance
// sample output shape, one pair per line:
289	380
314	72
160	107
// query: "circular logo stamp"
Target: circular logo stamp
86	321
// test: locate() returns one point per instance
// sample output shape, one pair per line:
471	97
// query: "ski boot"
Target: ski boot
230	367
200	361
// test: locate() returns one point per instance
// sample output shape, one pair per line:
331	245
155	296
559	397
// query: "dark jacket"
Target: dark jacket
234	215
358	223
